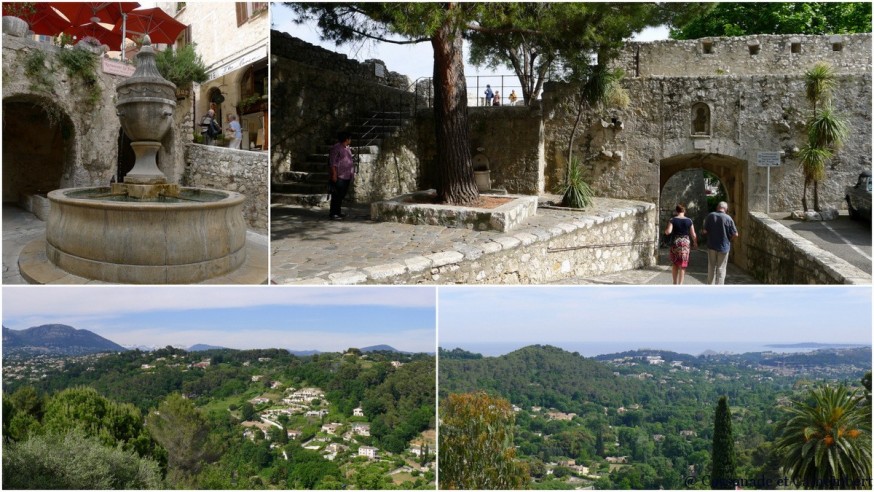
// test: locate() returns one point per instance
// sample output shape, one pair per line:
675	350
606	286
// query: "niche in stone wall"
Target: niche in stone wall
700	119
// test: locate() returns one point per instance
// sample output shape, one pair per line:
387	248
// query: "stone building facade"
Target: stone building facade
232	40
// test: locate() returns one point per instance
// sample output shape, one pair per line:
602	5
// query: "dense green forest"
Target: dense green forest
645	419
227	419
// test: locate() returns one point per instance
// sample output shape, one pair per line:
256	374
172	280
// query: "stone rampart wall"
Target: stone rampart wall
748	114
731	55
231	170
507	138
779	256
315	93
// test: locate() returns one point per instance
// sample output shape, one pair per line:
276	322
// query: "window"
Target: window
247	10
754	48
707	47
184	38
795	45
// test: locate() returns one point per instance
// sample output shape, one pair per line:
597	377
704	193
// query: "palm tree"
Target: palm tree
826	130
827	439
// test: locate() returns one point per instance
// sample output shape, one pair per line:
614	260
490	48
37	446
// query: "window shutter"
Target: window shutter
242	13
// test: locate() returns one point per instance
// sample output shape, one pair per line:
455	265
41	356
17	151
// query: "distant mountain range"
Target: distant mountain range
65	340
55	340
814	345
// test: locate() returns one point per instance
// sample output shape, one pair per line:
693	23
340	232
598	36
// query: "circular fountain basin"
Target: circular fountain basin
197	236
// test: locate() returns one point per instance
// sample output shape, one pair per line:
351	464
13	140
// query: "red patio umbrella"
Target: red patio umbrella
42	18
160	27
80	13
97	31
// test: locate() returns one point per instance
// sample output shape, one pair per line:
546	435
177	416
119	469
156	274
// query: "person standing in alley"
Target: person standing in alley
342	170
682	238
235	131
720	231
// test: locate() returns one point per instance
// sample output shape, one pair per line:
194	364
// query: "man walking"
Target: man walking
720	230
342	170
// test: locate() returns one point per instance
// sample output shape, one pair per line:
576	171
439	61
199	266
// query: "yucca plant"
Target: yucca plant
827	439
576	193
826	130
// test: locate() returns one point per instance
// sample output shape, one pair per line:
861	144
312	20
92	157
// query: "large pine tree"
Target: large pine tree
723	447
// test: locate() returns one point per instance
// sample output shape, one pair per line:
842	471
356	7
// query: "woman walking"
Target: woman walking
682	238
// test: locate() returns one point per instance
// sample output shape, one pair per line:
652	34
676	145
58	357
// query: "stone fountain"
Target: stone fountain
144	230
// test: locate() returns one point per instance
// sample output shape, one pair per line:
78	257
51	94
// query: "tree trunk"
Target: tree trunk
455	182
816	196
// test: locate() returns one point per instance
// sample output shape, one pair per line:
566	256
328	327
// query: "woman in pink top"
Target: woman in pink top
342	170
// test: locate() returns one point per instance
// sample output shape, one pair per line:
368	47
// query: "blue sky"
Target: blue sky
649	316
300	318
414	61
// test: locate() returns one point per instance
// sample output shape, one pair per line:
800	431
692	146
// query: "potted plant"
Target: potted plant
14	15
183	67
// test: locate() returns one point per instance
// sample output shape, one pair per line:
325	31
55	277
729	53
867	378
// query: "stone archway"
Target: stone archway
732	174
39	150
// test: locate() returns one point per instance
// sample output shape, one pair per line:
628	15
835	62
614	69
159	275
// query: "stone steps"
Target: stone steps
306	185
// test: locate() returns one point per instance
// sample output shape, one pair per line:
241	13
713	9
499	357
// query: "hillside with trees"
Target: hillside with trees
656	419
220	418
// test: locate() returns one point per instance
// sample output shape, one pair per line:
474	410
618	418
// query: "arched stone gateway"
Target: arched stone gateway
39	151
731	172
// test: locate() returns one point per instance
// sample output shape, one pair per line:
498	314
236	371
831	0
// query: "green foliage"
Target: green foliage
476	444
96	416
724	468
36	70
741	19
81	63
458	354
182	66
74	461
576	192
827	437
826	131
182	431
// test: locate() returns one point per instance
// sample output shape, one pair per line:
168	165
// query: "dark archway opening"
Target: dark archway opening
38	147
704	170
126	156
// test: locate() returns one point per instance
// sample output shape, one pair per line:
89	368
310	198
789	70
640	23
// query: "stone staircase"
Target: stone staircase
307	184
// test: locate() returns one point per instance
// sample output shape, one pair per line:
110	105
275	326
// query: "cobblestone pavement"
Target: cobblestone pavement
21	227
696	274
306	246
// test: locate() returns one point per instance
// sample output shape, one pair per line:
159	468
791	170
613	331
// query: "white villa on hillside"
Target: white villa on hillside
368	451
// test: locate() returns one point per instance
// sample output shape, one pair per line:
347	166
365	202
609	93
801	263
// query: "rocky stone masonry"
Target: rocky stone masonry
231	170
732	55
503	218
509	138
779	256
94	163
614	239
316	93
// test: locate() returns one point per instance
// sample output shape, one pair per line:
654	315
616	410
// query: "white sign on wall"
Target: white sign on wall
768	159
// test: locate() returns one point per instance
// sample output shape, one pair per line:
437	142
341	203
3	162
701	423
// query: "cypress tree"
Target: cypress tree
723	447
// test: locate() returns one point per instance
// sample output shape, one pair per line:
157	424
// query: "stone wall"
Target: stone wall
395	170
779	256
617	240
315	93
732	55
88	132
505	138
748	115
231	170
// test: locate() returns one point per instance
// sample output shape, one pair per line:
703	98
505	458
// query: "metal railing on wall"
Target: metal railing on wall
503	85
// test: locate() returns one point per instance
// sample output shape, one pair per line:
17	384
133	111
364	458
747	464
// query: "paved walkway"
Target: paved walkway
696	274
307	247
20	227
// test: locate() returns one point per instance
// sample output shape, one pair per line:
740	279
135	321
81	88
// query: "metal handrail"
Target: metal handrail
478	86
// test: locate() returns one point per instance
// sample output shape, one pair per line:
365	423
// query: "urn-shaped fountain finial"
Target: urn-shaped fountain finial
145	107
